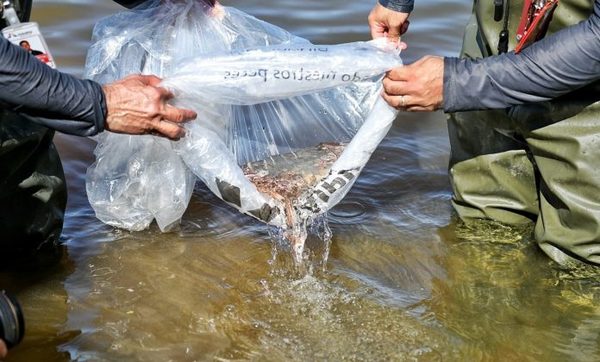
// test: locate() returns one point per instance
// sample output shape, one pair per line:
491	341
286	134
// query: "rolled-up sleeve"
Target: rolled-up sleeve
57	100
556	65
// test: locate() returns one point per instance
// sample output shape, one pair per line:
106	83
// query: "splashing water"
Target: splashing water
314	252
286	178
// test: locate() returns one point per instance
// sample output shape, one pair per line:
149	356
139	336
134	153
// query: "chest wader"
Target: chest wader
538	162
32	187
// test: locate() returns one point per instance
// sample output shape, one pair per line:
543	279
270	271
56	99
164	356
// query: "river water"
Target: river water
403	280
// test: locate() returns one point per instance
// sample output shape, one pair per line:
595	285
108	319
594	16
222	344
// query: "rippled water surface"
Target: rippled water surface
402	280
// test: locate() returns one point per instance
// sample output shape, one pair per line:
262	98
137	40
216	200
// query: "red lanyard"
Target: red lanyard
535	18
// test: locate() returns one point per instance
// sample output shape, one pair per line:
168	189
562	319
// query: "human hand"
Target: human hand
416	87
3	350
137	105
387	23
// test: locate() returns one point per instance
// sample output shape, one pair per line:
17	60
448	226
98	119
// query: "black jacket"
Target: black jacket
49	97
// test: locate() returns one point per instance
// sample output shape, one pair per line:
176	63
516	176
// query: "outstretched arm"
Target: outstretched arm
556	65
135	105
29	86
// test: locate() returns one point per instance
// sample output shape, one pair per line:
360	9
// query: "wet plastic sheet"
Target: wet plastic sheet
260	93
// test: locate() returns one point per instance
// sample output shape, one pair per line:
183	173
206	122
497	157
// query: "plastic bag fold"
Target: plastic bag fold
260	92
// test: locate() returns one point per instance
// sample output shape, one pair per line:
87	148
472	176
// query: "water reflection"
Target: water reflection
402	280
149	299
520	305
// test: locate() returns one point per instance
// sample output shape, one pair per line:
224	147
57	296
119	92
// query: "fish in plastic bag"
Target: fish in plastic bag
273	109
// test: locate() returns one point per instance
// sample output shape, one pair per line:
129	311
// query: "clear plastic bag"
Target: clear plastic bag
272	108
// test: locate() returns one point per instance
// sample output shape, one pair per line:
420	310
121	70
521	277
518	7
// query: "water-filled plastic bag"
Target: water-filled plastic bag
284	126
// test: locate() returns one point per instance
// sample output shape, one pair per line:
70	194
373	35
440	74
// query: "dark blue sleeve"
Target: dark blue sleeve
403	6
56	100
554	66
130	4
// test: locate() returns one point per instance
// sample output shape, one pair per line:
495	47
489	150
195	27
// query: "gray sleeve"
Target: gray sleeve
54	99
403	6
556	65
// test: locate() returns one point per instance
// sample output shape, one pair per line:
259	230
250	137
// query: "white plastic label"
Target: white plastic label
29	37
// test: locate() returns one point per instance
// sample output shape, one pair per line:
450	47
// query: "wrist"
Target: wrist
448	100
101	108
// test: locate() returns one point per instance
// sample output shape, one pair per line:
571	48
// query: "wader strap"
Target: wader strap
501	12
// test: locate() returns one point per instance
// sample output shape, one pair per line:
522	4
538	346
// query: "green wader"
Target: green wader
32	193
537	162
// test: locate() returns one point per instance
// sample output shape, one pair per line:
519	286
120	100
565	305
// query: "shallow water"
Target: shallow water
401	281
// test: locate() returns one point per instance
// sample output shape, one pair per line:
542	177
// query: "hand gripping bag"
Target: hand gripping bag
284	126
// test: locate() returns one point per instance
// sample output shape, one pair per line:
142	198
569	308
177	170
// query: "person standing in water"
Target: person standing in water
35	101
533	157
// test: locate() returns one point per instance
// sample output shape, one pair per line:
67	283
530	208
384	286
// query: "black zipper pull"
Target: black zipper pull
503	41
501	12
498	9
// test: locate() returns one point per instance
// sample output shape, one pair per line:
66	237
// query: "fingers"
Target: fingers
398	94
396	101
167	129
158	98
405	103
168	123
150	80
169	112
394	89
401	73
3	350
377	31
144	79
374	24
394	32
177	115
138	105
394	86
